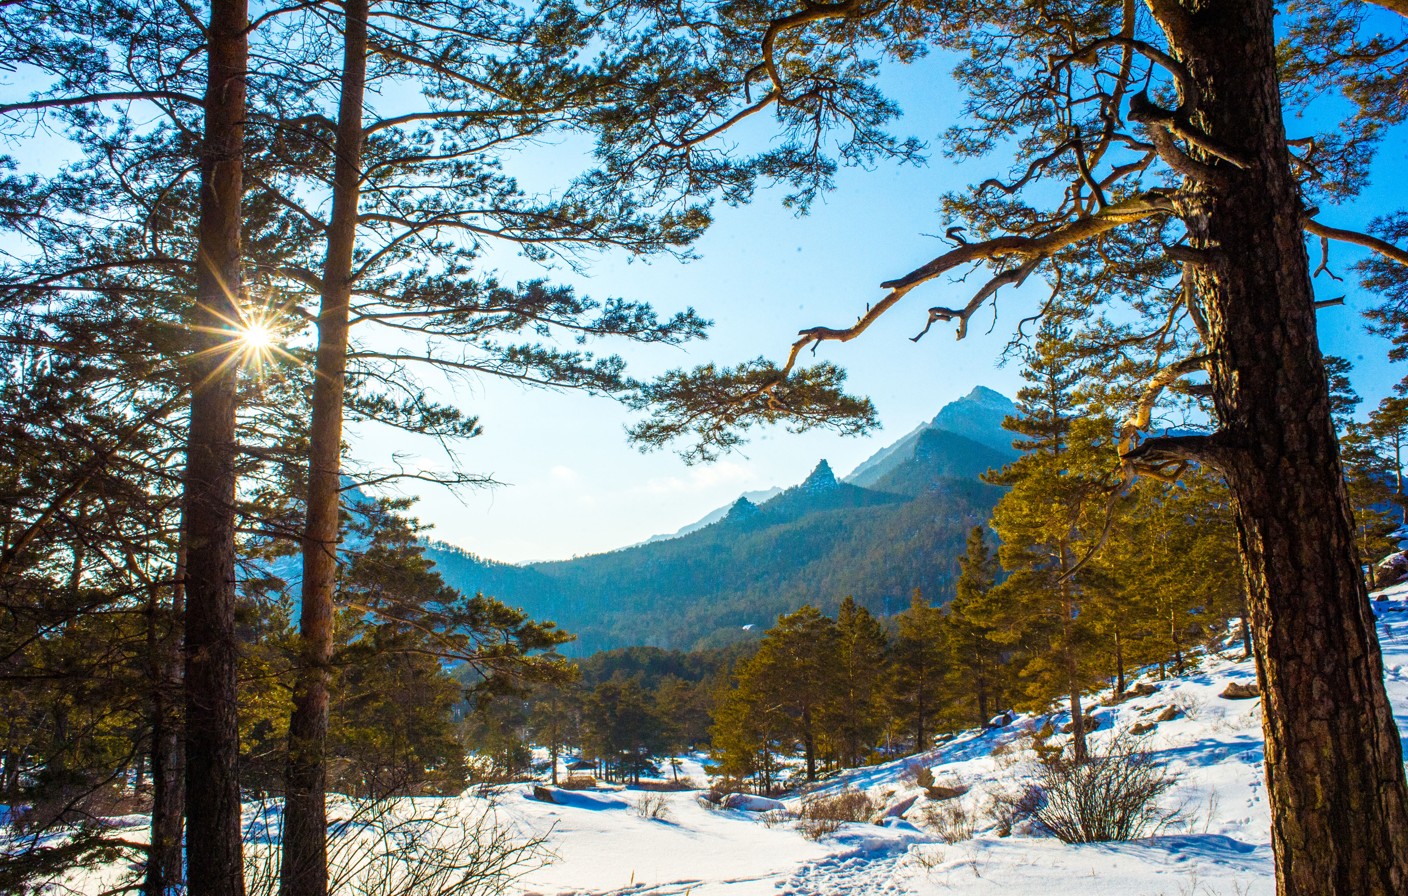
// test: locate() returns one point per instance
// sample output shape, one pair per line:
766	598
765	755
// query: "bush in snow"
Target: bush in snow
950	819
822	814
653	805
685	783
1113	795
401	847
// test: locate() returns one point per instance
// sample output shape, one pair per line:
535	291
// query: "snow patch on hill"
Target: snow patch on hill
1220	846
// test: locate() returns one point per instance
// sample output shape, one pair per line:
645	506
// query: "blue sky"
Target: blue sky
571	483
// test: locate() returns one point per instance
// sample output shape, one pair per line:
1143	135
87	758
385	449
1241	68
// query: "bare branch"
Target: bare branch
1016	277
1382	247
1138	419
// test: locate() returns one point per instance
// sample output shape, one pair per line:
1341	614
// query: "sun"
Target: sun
257	336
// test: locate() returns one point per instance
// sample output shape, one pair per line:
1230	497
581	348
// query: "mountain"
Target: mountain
816	542
713	516
973	437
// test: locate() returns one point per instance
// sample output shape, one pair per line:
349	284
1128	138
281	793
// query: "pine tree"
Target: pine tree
918	668
854	716
794	677
971	620
1050	522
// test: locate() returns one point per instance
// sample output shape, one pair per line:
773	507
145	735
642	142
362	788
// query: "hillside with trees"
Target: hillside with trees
816	543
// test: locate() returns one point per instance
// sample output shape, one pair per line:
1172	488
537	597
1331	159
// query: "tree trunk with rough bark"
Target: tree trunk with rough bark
304	870
214	856
1334	764
164	870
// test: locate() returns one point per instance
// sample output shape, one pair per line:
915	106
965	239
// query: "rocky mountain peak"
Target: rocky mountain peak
820	479
742	509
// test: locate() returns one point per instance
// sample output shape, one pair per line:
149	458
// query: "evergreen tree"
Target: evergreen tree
794	678
555	719
746	736
854	716
1051	521
975	656
621	729
918	668
1371	454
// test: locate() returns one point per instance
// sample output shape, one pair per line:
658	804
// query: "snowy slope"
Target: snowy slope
600	844
1220	847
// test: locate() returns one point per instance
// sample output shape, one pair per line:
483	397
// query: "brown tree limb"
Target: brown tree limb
1015	277
1134	208
1138	418
1382	247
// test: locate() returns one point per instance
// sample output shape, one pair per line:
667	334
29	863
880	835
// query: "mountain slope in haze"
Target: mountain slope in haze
972	428
816	543
713	516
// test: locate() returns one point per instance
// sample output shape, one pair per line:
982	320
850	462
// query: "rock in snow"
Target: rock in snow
1238	691
1391	570
750	803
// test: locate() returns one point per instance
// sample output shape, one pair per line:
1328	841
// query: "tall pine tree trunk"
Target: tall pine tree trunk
164	871
304	871
809	743
1069	611
214	864
1334	763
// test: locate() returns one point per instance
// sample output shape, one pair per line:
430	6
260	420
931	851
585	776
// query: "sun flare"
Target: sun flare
257	336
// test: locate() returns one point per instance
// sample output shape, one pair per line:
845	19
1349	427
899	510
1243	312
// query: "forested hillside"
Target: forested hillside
816	543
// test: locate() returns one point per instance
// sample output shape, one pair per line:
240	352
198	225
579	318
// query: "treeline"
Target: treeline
409	654
784	554
625	711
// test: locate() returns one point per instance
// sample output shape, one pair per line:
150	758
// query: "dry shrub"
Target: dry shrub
1113	795
653	805
401	847
822	814
951	820
917	774
668	786
775	817
577	782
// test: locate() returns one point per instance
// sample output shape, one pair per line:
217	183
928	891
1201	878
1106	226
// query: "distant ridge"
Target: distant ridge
895	524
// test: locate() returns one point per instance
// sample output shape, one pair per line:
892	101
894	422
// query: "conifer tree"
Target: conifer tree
854	715
1051	521
1388	428
971	621
918	667
746	732
794	675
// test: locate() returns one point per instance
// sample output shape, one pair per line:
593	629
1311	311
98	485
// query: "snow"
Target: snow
1220	846
605	841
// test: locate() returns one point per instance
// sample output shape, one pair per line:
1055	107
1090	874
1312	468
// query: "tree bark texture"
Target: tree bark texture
164	868
1334	763
213	856
304	871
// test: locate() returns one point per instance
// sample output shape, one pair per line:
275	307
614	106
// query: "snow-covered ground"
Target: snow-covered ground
1219	847
600	842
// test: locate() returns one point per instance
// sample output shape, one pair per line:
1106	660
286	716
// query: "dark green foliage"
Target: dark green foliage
784	696
916	690
977	677
804	545
855	716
